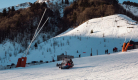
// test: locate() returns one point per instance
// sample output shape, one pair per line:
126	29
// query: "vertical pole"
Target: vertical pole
66	53
97	52
91	51
79	55
53	59
127	46
123	48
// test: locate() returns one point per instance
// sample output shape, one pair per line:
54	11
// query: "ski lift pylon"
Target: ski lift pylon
126	45
22	61
124	49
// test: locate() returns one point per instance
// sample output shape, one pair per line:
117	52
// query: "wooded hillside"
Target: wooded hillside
23	22
83	10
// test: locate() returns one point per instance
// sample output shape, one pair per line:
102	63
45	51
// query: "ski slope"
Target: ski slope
108	32
117	66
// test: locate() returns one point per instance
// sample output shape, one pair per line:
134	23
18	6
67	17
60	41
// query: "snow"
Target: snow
130	8
109	32
121	65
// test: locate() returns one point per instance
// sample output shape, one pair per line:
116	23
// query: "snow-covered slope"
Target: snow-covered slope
109	32
130	8
118	66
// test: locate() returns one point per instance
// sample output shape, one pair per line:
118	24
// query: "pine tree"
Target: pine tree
31	30
114	2
4	12
44	4
66	1
62	2
9	9
12	8
74	17
35	45
8	30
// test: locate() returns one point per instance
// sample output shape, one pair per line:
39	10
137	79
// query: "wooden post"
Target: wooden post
53	59
97	52
66	53
91	51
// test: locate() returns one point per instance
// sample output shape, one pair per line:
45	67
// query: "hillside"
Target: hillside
108	32
117	66
96	32
131	8
22	19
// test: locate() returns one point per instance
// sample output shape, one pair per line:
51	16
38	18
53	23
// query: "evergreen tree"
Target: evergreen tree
18	24
4	12
62	2
57	15
77	51
12	8
66	1
44	4
9	9
1	14
115	2
35	45
8	30
0	36
74	17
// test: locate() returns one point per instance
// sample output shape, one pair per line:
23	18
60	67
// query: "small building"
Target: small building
62	56
133	45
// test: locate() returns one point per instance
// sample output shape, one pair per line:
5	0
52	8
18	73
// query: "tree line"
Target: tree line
83	10
24	21
130	3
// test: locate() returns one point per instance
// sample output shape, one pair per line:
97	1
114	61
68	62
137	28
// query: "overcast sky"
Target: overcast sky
7	3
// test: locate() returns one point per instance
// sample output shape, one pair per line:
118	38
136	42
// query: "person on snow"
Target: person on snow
64	62
114	49
71	62
67	65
